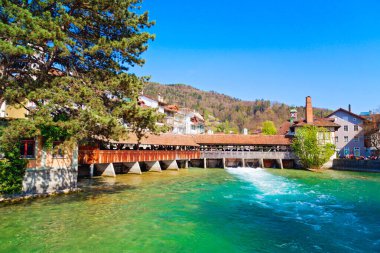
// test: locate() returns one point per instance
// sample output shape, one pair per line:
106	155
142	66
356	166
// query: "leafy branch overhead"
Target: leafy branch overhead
66	62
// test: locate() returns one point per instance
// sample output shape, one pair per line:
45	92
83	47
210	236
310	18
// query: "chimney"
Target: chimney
160	98
349	107
309	111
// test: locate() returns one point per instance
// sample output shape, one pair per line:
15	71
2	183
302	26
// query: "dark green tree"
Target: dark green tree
70	59
67	63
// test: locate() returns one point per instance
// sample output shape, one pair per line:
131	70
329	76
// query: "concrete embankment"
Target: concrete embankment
356	165
45	182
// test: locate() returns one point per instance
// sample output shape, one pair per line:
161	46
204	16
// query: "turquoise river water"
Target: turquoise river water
196	210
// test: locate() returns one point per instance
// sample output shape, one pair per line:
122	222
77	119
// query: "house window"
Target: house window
192	127
336	139
58	150
346	139
356	139
27	148
356	128
356	151
346	151
346	128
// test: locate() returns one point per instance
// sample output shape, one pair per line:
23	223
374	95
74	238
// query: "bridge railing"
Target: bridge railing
124	156
218	154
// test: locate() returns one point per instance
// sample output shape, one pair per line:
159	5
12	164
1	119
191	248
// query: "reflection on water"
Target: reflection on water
196	210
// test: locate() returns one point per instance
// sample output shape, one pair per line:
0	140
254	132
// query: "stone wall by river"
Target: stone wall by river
356	165
40	181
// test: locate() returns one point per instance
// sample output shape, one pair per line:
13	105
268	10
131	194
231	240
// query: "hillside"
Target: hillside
225	113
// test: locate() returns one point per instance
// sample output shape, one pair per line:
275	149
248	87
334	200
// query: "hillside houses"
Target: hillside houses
179	120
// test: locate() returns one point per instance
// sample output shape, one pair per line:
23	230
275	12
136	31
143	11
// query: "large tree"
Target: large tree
67	63
311	145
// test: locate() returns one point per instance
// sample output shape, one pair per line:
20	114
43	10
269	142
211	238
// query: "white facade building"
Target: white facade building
181	121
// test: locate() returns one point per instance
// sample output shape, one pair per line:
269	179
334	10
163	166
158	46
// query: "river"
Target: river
196	210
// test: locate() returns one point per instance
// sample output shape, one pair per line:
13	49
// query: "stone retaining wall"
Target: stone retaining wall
356	165
41	181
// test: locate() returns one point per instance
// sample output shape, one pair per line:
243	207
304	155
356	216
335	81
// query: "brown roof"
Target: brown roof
56	72
239	139
373	119
171	108
152	98
284	128
318	122
346	111
162	139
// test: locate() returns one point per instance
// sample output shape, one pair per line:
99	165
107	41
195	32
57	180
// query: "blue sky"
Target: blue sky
273	49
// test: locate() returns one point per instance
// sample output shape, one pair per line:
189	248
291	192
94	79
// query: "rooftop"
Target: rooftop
239	139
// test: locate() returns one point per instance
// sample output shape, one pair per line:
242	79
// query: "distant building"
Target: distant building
180	120
15	112
326	123
193	122
349	138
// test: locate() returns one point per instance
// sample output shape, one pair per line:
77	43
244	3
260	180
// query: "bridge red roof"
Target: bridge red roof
239	139
207	139
162	139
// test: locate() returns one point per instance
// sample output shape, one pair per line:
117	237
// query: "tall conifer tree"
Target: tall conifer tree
71	60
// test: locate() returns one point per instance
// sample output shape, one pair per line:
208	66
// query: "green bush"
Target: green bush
269	128
11	175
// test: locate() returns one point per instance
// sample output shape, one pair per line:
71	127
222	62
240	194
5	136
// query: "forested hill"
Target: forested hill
225	113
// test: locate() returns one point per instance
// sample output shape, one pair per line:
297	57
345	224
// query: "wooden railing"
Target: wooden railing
124	156
248	154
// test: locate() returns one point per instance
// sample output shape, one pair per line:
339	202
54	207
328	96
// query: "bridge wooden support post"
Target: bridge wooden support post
171	165
133	168
154	166
109	171
224	163
243	162
204	163
92	170
280	163
261	163
186	164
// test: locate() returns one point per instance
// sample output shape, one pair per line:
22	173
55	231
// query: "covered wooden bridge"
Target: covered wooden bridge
229	150
173	151
155	153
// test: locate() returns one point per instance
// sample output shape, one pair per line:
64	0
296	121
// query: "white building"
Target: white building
181	121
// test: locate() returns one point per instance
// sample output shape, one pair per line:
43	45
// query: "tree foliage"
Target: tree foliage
372	133
67	64
312	151
12	167
69	60
269	128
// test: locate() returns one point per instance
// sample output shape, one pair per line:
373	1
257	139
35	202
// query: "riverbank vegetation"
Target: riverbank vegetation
311	145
